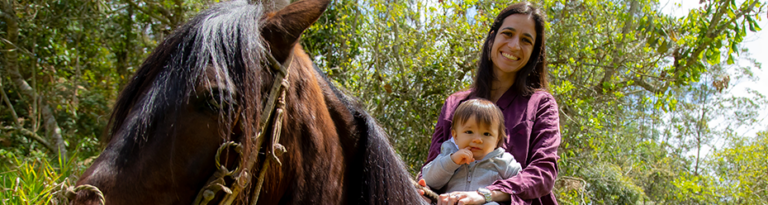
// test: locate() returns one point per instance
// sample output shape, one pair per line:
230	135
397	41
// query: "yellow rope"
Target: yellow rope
70	193
427	192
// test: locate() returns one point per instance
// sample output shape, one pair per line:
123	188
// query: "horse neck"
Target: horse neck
311	167
372	172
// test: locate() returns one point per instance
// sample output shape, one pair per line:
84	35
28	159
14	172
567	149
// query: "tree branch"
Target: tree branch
640	82
16	48
167	14
151	14
10	106
25	132
610	71
5	16
31	135
178	12
713	30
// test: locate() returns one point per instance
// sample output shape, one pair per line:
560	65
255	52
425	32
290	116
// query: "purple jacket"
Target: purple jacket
533	127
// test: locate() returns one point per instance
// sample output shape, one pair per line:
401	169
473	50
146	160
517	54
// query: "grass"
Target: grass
36	180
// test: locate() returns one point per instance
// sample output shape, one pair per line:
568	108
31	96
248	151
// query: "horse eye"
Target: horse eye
216	102
213	104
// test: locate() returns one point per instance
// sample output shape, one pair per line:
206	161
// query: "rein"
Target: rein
273	110
275	105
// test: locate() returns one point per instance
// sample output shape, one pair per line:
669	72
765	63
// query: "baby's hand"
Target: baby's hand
463	156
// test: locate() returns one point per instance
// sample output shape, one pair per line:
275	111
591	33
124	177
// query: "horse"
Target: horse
195	123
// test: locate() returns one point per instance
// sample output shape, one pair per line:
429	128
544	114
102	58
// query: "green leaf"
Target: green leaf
753	28
663	47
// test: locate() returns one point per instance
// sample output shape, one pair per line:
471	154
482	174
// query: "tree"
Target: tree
646	114
65	61
616	87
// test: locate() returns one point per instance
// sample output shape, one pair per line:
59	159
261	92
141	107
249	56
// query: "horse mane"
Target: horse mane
167	79
385	179
376	173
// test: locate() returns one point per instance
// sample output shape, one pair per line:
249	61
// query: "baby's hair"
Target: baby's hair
485	112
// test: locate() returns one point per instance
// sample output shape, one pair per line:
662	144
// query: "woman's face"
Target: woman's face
513	44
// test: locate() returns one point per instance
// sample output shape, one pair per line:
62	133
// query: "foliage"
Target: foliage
36	180
637	88
401	59
645	105
740	171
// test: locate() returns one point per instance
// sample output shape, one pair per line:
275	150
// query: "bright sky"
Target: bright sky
756	42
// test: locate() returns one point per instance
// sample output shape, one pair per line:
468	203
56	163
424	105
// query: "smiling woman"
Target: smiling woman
518	33
511	49
512	73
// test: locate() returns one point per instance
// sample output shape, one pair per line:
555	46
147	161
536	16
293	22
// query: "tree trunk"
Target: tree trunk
52	129
609	72
123	55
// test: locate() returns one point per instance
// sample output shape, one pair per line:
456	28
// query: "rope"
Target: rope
70	193
431	195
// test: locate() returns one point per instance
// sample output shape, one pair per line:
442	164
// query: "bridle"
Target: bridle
273	112
275	105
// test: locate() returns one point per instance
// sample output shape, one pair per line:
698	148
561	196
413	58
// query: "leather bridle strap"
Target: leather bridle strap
279	108
275	104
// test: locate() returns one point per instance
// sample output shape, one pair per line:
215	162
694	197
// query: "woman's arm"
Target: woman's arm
537	179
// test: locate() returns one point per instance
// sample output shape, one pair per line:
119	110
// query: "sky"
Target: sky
755	42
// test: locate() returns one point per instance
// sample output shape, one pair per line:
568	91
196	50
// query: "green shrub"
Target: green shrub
36	180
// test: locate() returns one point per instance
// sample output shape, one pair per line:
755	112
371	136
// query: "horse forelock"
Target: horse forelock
224	41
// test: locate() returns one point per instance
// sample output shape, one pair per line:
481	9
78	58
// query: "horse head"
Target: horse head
202	86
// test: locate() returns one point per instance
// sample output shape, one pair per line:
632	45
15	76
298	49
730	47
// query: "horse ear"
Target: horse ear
283	28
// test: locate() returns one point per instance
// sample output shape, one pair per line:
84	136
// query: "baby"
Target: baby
472	159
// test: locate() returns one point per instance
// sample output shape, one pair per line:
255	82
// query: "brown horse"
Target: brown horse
207	84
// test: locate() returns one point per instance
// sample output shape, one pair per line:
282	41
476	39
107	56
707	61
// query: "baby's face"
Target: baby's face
479	137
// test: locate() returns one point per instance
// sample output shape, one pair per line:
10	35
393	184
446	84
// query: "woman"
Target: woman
512	74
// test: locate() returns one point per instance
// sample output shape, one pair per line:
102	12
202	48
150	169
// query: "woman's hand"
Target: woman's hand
461	198
472	197
463	156
448	199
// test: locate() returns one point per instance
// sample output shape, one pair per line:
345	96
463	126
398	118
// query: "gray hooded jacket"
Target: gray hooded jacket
444	174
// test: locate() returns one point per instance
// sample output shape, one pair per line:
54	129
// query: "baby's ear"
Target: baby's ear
453	133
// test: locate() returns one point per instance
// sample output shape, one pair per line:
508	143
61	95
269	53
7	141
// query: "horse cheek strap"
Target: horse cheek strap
276	104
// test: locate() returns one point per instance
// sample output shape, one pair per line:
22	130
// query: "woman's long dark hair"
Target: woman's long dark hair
533	76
